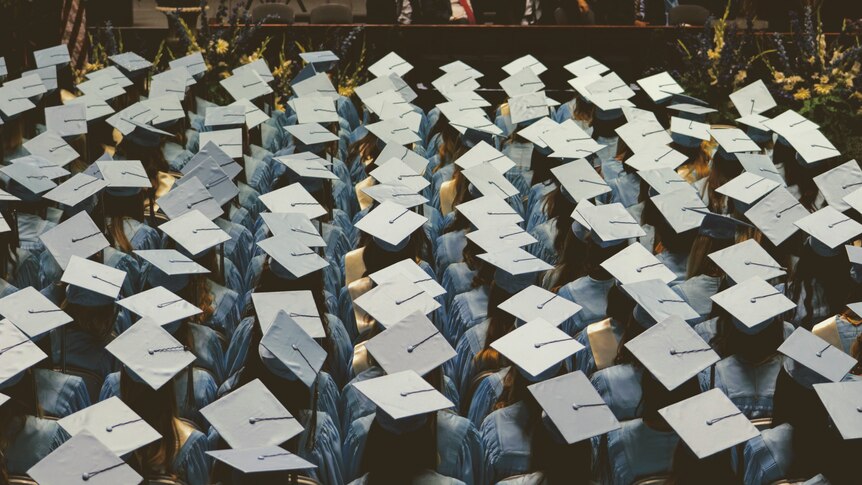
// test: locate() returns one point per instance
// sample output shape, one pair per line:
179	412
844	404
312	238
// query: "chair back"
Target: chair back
163	480
762	423
331	13
19	480
652	480
277	13
688	14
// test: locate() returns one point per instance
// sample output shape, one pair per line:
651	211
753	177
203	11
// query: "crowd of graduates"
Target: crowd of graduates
621	287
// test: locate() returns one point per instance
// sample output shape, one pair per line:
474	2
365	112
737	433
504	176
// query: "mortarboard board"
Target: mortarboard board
30	85
612	224
580	180
187	197
170	84
535	302
586	65
32	312
13	101
404	394
219	117
527	107
52	56
52	148
394	171
211	150
250	417
690	132
299	305
664	180
315	109
390	64
293	353
93	277
228	141
297	259
261	460
489	211
159	305
194	63
259	66
113	423
293	198
314	85
397	194
776	215
574	407
515	261
408	270
96	108
83	459
104	88
390	223
171	262
30	176
321	61
216	182
536	347
150	353
760	164
76	236
658	301
829	227
709	423
246	84
194	232
295	225
131	62
66	120
838	183
683	209
641	135
746	189
635	263
311	133
461	66
393	131
124	174
493	238
414	344
841	400
789	124
752	303
417	162
488	180
817	355
392	301
752	99
672	351
525	62
746	260
521	83
48	169
253	115
17	352
660	87
112	73
813	146
483	153
734	140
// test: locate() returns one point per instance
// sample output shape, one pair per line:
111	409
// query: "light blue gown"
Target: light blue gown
36	440
142	236
506	442
620	388
848	333
592	295
461	368
458	445
192	464
584	360
697	292
486	395
83	351
676	262
768	457
60	394
449	249
749	386
467	310
543	248
535	201
637	451
625	189
457	278
30	227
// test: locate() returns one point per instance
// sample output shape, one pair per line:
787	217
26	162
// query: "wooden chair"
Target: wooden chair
688	14
274	13
653	480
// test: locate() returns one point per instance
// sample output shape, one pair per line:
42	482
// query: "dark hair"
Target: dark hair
391	458
688	469
8	246
500	323
23	402
377	258
116	210
813	273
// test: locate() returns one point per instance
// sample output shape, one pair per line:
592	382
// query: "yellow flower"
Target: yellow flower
802	94
788	87
811	60
793	79
823	88
221	47
778	76
712	54
824	79
224	75
740	76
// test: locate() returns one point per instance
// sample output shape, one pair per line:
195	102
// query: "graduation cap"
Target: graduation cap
97	108
131	63
841	400
246	84
391	223
76	236
683	209
397	194
294	259
829	227
190	196
535	302
50	170
32	312
30	85
813	146
288	351
211	150
838	183
580	180
83	459
495	238
746	189
29	176
664	180
313	85
195	232
105	88
734	140
121	175
612	224
815	354
789	124
150	353
461	66
776	215
660	87
536	348
689	133
656	301
755	128
251	417
112	73
489	211
51	147
296	225
640	135
574	407
321	61
253	115
407	270
403	395
169	268
394	131
159	305
214	180
315	109
586	66
219	117
392	301
522	82
528	107
113	423
488	180
48	76
261	460
67	120
525	62
753	303
299	305
194	63
709	423
635	263
672	351
311	133
91	283
760	164
57	55
13	102
228	141
483	153
394	171
17	353
293	198
414	344
171	84
390	64
753	99
746	260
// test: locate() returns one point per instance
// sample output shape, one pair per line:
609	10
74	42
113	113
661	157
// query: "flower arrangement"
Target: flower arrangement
819	78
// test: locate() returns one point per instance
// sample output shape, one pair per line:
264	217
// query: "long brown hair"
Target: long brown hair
117	209
499	324
451	147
